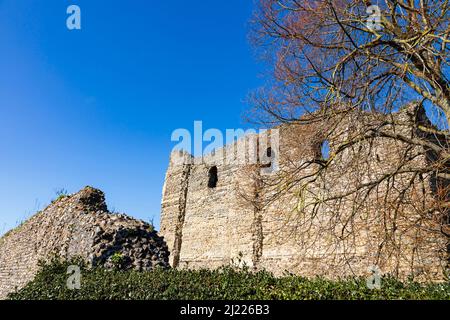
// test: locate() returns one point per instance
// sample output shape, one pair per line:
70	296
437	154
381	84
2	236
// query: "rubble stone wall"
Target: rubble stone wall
78	225
226	225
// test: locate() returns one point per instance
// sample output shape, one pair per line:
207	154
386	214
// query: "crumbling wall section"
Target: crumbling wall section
78	225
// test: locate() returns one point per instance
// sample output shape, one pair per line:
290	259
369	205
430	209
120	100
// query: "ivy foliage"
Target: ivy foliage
225	283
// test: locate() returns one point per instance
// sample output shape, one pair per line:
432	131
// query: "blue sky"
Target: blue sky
97	106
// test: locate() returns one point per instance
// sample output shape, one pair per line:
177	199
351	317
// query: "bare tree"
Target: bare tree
343	69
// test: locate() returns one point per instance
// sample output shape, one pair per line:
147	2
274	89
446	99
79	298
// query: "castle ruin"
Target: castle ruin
218	212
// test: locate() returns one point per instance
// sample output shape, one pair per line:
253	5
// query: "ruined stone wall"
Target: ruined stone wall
204	226
219	226
78	225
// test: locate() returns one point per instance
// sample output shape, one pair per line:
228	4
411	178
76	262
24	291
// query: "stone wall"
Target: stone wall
78	225
233	222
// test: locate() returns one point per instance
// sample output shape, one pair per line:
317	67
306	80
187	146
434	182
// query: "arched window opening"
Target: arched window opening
212	177
268	159
325	150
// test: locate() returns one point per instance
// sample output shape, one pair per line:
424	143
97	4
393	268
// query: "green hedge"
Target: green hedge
225	283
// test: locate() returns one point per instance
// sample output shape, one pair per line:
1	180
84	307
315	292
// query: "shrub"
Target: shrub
117	259
60	194
224	283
